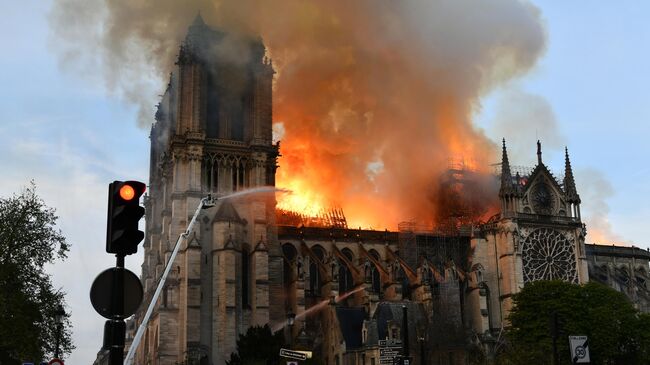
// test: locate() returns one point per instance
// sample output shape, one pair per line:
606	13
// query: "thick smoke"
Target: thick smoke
522	119
374	96
594	194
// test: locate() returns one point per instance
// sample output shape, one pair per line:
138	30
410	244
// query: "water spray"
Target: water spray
322	304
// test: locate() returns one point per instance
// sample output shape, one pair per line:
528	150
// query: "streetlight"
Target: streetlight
422	339
291	318
303	339
59	315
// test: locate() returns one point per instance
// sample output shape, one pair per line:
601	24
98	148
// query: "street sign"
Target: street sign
395	342
295	355
579	349
56	361
307	353
389	350
101	293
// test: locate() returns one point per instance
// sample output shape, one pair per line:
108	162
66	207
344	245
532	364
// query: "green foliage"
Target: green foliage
259	346
617	333
29	241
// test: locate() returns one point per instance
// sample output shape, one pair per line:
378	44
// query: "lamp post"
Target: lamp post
291	318
59	315
303	339
422	339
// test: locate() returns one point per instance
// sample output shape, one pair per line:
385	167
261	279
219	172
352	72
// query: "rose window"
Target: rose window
548	255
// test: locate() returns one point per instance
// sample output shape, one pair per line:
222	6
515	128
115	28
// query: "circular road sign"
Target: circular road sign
101	293
55	361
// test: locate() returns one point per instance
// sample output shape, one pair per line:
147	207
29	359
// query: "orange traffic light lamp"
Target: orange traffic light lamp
127	192
124	213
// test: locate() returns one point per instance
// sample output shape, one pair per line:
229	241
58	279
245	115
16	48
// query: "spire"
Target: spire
197	26
192	45
198	21
506	176
539	152
569	182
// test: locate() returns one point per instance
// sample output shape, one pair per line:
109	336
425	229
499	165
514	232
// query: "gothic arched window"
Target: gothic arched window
289	253
346	282
406	284
314	275
288	277
376	280
245	278
241	176
211	175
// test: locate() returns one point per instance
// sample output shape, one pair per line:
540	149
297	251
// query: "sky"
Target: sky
67	133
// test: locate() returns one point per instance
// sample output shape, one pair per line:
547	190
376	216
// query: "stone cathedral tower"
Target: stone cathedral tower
212	135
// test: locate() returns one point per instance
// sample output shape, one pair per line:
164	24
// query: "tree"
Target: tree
259	346
615	329
28	241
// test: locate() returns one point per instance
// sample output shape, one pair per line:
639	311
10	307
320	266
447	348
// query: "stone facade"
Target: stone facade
625	269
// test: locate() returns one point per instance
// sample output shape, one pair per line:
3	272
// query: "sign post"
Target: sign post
579	349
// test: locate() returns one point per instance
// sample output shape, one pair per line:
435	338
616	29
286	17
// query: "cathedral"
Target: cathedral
353	296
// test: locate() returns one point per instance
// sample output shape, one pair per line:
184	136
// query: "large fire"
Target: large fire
299	198
373	100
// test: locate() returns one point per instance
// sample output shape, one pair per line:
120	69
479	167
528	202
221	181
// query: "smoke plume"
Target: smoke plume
522	119
594	196
373	96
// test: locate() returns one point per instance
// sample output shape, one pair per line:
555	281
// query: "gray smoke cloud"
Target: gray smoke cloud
594	192
373	96
522	118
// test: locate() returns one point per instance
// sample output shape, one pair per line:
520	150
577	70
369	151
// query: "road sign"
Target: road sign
395	342
579	349
295	355
56	361
389	350
101	293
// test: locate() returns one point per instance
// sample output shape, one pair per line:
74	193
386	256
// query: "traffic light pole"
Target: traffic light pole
116	326
205	203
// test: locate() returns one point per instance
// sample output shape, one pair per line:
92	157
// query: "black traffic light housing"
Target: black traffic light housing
124	213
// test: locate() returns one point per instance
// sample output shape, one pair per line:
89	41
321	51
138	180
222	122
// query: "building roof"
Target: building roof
351	325
616	251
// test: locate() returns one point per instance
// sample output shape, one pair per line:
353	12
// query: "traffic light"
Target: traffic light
124	213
